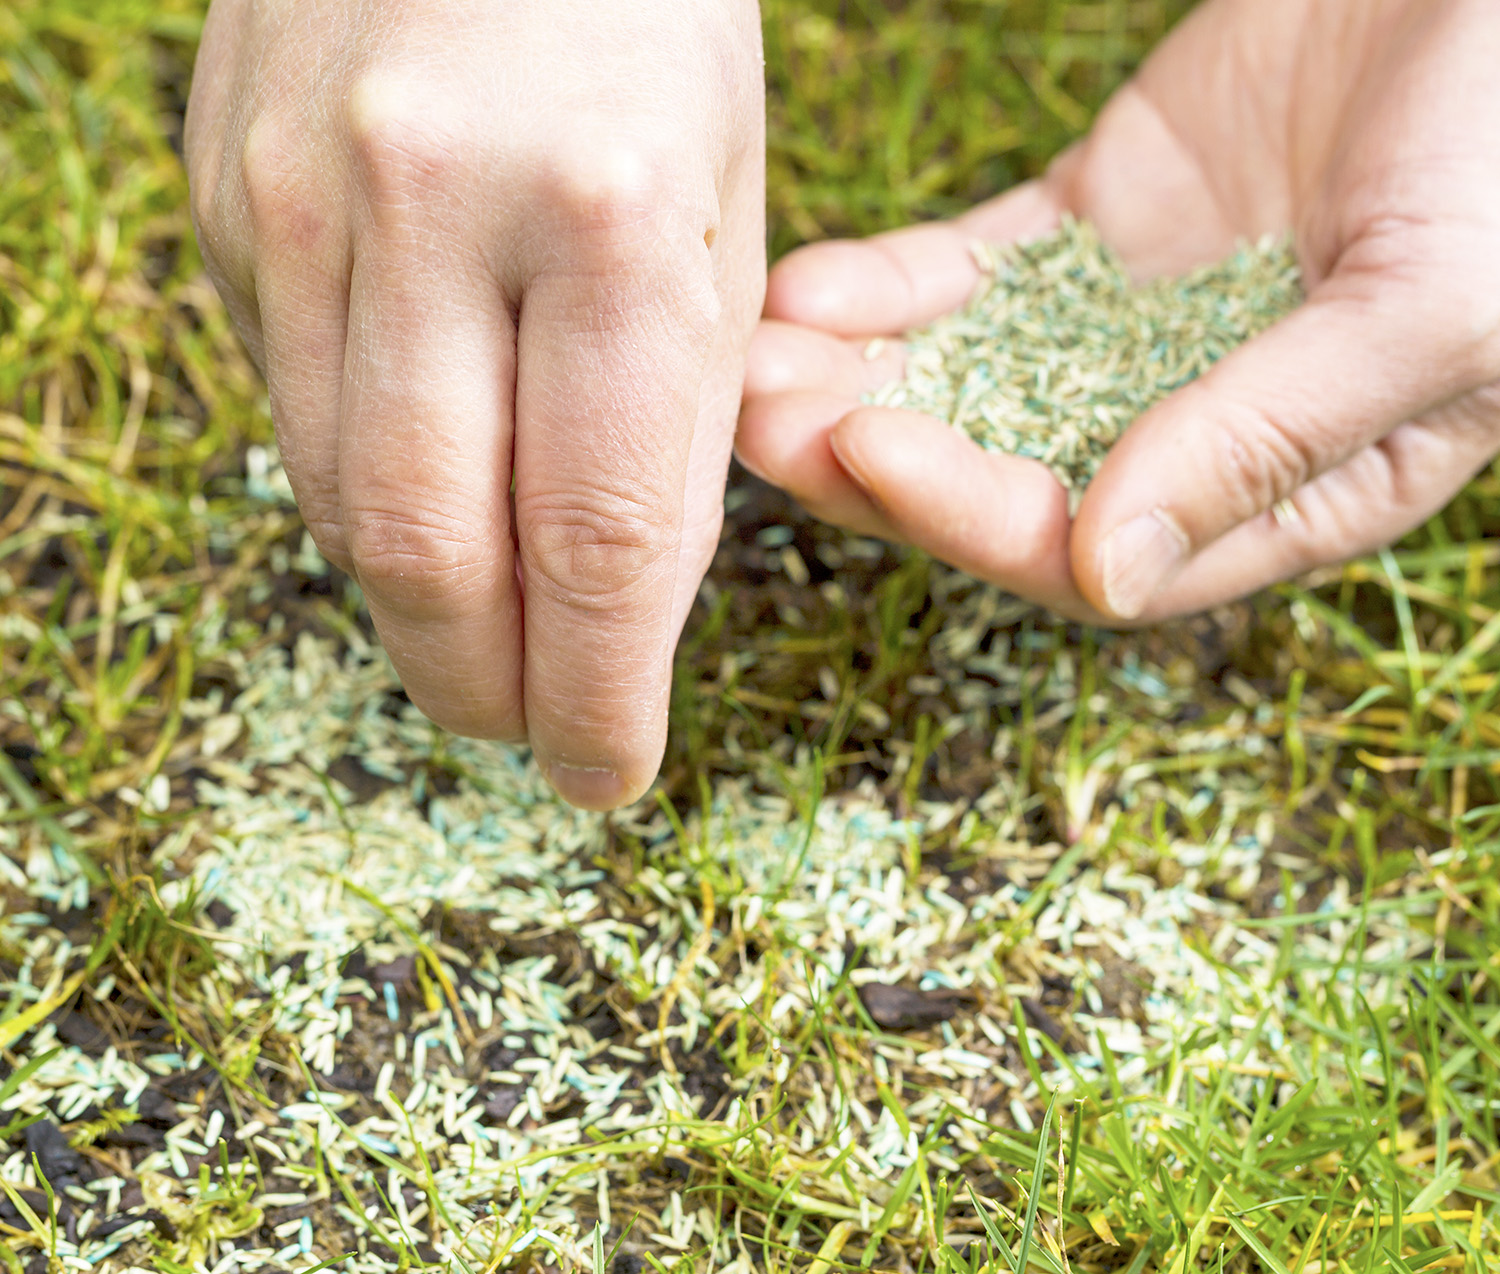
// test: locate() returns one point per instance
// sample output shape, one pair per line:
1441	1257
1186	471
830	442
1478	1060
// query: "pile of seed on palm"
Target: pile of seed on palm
1059	352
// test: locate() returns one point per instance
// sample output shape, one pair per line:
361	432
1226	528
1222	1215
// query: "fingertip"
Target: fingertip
1027	211
887	283
998	517
895	455
454	716
784	439
787	356
859	441
1136	562
778	360
599	790
817	285
916	470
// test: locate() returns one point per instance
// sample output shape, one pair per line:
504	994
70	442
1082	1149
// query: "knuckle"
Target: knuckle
608	188
1446	278
272	174
206	194
401	142
1262	457
593	550
327	532
203	196
471	716
627	212
1396	468
203	157
416	561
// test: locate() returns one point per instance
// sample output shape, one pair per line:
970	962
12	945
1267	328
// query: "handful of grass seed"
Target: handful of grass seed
1059	351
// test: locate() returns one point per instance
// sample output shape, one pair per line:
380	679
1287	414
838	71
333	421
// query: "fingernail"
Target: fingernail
1139	558
588	789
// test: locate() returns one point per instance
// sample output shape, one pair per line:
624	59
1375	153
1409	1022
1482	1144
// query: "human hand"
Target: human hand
1371	128
500	264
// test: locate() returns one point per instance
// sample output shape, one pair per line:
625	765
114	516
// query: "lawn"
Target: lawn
955	939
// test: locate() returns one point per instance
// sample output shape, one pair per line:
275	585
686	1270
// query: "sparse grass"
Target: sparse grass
1332	1107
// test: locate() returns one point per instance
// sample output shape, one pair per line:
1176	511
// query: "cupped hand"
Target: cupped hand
1368	128
500	264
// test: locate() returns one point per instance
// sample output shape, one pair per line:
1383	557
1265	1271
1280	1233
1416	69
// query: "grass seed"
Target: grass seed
1060	351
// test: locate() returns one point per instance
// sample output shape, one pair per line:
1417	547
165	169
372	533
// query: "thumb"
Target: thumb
1368	351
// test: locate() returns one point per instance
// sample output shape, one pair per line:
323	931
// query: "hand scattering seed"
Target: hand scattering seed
1059	352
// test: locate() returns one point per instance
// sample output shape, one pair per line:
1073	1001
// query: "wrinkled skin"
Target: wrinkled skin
1371	130
475	245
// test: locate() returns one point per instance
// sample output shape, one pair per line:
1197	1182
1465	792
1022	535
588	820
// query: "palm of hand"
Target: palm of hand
1369	129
